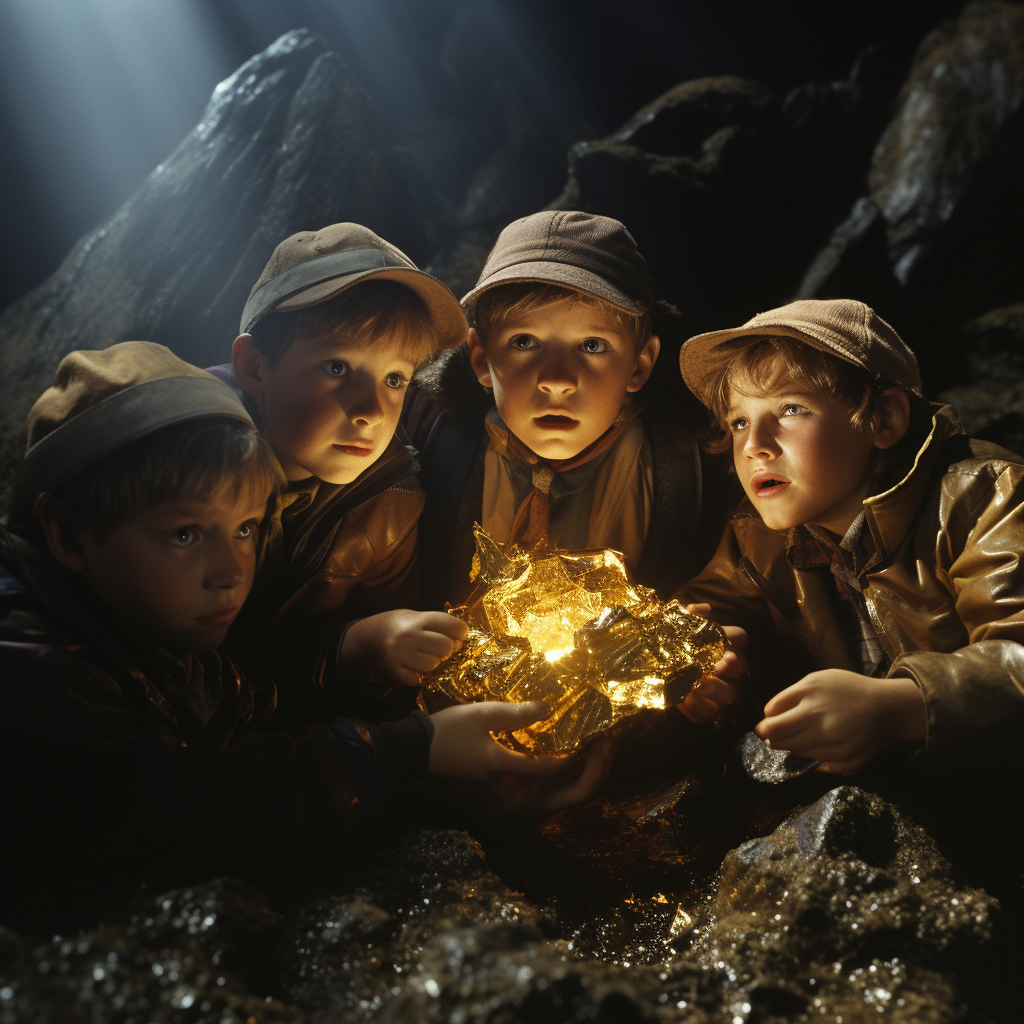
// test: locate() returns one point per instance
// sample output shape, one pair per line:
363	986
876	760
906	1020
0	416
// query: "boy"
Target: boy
562	440
129	745
331	335
878	549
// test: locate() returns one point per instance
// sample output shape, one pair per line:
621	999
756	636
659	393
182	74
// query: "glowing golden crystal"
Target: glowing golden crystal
574	630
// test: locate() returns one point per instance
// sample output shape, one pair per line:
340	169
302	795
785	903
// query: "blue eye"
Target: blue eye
336	368
737	424
594	346
183	537
524	342
395	380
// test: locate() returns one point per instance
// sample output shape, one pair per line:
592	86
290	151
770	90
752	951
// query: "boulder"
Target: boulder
289	142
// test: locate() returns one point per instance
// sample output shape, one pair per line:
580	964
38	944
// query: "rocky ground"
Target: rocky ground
899	185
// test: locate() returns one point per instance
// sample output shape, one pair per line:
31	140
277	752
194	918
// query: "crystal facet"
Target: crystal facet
574	630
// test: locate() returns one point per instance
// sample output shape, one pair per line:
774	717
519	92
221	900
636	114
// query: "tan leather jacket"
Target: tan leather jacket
944	589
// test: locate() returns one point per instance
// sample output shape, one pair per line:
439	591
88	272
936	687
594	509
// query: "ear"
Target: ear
62	532
478	358
644	363
249	364
895	418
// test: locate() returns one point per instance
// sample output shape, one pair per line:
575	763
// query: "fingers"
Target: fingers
445	624
505	716
782	701
731	665
735	637
595	771
406	677
699	710
703	610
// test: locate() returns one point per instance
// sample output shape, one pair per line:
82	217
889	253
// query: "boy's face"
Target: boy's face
799	458
561	373
181	571
331	405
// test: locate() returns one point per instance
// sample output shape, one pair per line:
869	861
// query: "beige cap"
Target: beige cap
102	400
313	266
845	328
583	251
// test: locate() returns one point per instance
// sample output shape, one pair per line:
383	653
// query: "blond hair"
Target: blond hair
769	364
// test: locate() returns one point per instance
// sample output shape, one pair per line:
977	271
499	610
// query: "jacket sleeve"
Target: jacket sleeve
369	569
95	769
723	584
974	696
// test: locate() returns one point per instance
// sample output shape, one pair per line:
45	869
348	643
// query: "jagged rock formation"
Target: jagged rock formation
290	141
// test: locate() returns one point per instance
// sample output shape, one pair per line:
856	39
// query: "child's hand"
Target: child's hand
576	783
843	719
463	747
401	645
713	694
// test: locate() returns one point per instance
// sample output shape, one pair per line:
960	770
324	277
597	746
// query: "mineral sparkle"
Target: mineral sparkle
572	629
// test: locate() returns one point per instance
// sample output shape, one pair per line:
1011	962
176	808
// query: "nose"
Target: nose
557	376
362	403
761	442
227	565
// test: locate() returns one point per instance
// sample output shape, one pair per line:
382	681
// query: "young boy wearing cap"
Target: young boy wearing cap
566	439
331	335
876	560
125	737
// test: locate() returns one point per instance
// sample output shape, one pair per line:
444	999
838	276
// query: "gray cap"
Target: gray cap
583	251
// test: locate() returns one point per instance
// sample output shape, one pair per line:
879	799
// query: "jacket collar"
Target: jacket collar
890	514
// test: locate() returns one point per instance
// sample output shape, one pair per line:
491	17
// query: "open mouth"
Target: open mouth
767	485
555	421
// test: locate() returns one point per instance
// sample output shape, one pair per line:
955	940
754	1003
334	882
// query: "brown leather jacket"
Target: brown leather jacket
329	554
944	590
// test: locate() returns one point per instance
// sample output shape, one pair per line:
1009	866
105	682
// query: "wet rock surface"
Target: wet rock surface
846	909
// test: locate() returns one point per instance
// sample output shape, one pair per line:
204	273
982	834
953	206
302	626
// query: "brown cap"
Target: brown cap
313	266
103	400
583	251
843	327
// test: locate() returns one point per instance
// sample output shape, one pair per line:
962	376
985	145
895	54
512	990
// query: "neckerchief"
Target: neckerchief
531	522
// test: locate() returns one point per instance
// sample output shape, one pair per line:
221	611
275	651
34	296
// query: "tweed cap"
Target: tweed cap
583	251
102	400
313	266
845	328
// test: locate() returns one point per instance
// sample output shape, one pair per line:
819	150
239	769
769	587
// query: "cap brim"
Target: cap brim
698	361
549	272
445	312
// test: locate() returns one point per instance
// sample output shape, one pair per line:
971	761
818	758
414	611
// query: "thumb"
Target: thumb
504	715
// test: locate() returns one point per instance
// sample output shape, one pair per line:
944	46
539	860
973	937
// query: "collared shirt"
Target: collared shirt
814	548
605	503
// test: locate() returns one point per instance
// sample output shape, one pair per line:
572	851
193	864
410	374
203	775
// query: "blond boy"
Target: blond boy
876	559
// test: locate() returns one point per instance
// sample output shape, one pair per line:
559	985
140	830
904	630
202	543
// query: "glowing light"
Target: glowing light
574	630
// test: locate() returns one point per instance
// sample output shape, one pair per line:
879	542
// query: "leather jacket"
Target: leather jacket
944	589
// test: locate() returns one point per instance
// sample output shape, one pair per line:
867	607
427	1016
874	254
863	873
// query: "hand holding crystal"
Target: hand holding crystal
713	694
401	645
463	748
